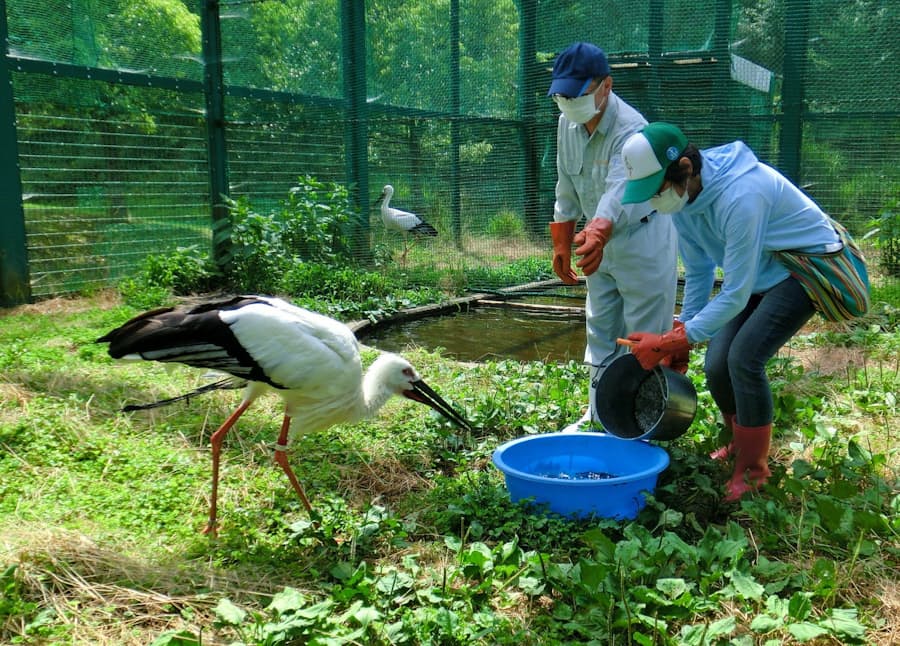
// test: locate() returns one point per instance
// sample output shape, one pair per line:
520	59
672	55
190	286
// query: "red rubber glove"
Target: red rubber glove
591	240
562	234
678	361
650	349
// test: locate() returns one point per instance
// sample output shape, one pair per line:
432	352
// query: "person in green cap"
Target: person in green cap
734	212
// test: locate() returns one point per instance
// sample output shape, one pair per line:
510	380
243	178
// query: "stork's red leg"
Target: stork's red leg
216	440
281	459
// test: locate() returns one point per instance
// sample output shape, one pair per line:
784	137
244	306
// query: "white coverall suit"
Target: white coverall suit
634	287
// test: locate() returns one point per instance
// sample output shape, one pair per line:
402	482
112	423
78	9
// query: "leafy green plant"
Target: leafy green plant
310	226
316	216
352	293
38	623
186	270
886	232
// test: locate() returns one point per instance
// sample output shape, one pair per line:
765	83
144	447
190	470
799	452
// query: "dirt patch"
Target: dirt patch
105	299
826	360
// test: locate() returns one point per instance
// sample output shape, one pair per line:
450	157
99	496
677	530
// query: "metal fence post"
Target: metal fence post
722	83
455	137
15	287
527	116
214	93
353	20
796	35
654	55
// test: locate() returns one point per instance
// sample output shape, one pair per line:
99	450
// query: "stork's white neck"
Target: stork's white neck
388	194
383	379
376	389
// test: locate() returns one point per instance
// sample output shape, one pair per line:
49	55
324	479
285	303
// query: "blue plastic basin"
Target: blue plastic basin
581	474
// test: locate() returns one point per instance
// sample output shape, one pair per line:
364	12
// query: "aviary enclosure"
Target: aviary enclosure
196	139
126	127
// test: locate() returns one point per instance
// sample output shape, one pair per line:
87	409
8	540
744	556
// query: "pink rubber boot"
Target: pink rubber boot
725	452
751	449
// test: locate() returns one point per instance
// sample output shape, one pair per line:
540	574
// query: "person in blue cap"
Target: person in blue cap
733	212
627	254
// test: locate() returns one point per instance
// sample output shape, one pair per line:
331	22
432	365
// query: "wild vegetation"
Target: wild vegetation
414	539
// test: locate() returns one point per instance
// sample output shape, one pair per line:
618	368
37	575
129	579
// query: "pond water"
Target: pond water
489	334
557	295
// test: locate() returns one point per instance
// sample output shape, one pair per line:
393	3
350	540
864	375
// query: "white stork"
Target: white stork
310	360
403	221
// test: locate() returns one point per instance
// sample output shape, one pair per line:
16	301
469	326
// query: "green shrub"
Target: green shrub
350	283
887	237
310	226
515	273
505	224
352	292
186	270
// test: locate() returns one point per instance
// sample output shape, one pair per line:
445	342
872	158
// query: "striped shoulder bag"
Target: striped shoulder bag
837	283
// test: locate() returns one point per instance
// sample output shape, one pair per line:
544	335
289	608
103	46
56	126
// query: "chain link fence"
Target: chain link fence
125	124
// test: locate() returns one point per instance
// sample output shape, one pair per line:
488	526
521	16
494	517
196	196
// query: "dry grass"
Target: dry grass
383	479
887	591
105	597
829	361
10	392
849	369
101	596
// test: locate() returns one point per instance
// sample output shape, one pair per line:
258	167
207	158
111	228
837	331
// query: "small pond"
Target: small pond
490	333
535	322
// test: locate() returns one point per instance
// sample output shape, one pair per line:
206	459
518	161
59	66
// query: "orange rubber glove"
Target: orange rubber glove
591	240
562	234
678	361
650	349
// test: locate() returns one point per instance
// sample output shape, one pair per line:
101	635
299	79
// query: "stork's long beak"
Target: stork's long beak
422	392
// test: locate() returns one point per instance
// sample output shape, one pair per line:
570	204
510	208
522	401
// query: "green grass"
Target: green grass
416	541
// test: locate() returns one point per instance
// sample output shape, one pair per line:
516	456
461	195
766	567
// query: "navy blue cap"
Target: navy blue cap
575	65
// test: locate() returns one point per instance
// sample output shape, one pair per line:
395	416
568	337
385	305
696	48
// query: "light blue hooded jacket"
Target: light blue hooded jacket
745	212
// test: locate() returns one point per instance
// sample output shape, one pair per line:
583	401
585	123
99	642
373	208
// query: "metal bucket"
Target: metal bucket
637	404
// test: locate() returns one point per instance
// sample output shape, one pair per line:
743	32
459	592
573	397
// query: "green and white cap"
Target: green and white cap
647	154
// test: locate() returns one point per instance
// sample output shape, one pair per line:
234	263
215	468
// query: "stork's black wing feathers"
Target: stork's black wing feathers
194	335
223	384
424	229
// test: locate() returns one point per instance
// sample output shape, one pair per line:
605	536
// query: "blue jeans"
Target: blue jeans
737	355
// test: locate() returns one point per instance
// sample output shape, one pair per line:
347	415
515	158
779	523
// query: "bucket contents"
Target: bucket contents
649	401
633	403
583	475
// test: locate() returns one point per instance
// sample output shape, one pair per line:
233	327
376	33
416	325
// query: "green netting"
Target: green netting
292	47
154	37
103	186
120	127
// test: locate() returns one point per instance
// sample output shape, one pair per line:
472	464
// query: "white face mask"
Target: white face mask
580	109
669	201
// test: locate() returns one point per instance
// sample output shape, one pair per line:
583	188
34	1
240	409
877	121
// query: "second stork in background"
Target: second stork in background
403	221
